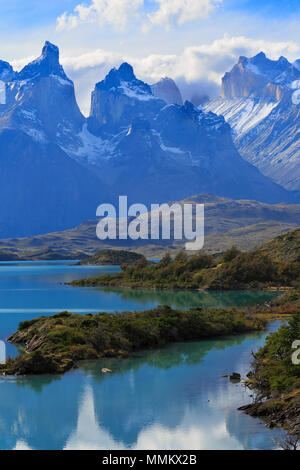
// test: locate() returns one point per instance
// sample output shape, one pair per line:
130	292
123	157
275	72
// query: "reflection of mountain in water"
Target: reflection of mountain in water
159	386
193	298
167	398
38	411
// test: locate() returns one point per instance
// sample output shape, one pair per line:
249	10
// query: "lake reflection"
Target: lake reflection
171	398
187	299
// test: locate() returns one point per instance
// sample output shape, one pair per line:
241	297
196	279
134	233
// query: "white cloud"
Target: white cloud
92	59
89	434
20	63
114	12
241	44
198	69
182	11
119	12
67	22
208	61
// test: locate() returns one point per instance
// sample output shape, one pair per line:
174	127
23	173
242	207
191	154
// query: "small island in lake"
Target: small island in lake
55	344
112	258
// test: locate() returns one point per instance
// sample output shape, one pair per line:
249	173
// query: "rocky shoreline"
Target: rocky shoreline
283	412
275	374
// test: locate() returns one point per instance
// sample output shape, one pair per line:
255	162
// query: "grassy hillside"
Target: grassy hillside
233	270
285	248
246	224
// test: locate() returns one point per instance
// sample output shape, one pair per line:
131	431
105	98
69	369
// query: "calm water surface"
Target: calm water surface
164	399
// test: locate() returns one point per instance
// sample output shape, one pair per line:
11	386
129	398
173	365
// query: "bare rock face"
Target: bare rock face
260	99
243	83
41	99
167	90
119	98
145	147
151	155
259	77
43	188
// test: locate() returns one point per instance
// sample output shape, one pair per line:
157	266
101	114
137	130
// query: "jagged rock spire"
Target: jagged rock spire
45	65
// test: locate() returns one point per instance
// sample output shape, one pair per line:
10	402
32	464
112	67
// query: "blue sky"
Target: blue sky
194	43
35	13
273	7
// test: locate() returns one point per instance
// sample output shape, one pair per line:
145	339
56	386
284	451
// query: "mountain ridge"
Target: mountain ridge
246	224
260	99
133	143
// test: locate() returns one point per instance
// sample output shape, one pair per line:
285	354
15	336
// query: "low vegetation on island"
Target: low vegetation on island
112	258
56	344
233	270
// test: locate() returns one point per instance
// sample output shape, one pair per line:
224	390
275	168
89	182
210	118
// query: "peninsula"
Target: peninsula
55	344
275	264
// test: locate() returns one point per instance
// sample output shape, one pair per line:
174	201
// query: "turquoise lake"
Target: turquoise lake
171	398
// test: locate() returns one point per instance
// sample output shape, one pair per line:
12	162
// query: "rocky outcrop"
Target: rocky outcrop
167	90
119	99
41	100
259	77
275	374
260	100
41	187
283	412
149	146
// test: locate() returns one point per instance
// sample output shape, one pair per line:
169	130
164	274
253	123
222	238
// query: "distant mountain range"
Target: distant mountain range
246	224
260	100
56	166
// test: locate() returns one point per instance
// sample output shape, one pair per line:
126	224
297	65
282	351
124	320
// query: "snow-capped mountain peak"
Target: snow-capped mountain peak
260	77
261	101
45	65
58	166
122	80
40	99
117	99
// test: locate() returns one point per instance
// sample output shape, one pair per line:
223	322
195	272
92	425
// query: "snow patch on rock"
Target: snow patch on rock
135	92
91	148
241	113
36	134
62	81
